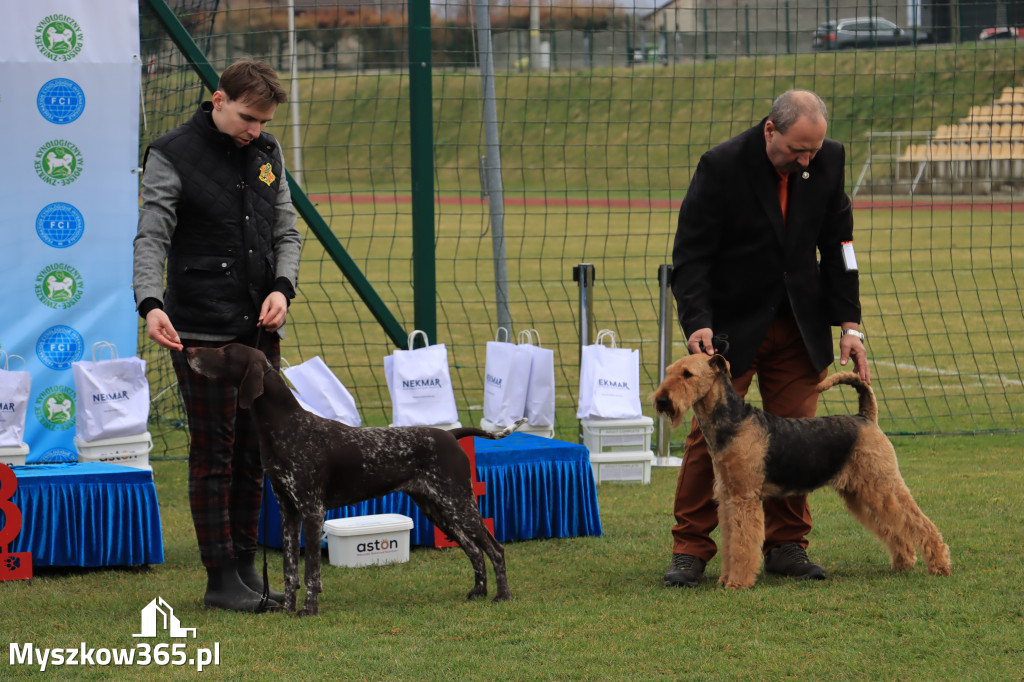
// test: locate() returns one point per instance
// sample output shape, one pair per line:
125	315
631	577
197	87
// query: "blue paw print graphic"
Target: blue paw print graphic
12	563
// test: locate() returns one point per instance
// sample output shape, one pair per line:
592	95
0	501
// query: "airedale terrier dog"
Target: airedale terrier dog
757	455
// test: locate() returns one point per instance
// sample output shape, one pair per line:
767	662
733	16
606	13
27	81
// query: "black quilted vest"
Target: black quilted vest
221	262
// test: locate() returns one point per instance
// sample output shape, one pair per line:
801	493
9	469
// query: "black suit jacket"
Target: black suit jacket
735	265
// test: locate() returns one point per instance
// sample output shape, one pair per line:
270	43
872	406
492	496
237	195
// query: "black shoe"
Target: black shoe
685	571
791	561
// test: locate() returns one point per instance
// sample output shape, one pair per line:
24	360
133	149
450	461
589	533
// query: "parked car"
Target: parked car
864	32
1001	33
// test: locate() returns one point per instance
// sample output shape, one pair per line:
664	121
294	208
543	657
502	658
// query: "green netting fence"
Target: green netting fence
599	114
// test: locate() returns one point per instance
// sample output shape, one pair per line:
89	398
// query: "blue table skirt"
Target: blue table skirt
536	488
87	514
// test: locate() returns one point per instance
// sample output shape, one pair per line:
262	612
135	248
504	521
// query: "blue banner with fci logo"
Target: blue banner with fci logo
69	96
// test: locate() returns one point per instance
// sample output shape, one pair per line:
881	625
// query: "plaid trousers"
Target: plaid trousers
225	476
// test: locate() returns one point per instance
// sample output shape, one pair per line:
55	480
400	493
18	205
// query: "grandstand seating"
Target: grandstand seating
982	154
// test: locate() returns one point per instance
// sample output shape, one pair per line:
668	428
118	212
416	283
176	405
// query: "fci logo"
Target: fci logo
60	225
60	101
59	347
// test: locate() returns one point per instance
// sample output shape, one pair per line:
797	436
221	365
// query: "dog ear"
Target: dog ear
251	386
719	363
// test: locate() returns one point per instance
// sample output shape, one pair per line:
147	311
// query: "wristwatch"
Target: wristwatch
853	332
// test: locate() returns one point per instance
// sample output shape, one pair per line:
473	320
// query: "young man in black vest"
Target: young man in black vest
217	212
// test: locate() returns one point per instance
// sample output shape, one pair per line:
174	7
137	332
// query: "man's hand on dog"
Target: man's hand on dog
852	347
701	341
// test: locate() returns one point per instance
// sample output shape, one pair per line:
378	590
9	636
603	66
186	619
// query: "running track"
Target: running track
862	204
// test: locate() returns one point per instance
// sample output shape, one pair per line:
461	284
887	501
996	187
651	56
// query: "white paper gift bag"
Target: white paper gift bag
588	364
540	393
321	392
15	387
112	395
609	381
506	379
420	385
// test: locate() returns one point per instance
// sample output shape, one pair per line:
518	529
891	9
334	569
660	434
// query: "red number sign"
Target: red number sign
13	565
479	488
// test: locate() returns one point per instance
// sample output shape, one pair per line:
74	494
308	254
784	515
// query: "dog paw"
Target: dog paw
498	598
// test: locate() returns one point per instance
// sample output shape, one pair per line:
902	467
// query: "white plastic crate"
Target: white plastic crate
13	455
617	435
622	467
542	431
130	451
446	427
368	540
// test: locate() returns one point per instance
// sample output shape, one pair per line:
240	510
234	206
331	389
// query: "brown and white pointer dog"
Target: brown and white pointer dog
315	464
756	455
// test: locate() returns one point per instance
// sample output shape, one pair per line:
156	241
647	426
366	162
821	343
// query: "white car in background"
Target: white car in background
864	32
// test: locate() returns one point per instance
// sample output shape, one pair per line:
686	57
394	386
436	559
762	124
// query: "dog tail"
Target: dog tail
480	433
868	406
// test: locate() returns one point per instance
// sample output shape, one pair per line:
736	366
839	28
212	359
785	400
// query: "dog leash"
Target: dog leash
720	343
265	597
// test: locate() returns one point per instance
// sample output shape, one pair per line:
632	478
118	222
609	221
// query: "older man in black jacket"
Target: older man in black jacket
764	259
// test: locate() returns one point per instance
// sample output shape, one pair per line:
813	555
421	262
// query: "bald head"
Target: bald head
794	104
795	130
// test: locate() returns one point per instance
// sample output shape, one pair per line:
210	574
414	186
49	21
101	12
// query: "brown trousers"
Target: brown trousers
786	380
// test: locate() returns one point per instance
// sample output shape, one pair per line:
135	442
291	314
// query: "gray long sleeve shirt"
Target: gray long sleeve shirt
161	188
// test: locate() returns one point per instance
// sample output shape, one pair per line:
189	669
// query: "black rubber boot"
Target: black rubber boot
245	566
225	590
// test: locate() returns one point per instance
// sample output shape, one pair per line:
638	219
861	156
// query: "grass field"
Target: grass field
594	608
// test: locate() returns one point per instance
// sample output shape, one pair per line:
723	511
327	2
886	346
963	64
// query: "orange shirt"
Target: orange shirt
783	194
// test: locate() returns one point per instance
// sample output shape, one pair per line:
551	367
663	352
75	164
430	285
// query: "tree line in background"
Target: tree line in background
381	36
